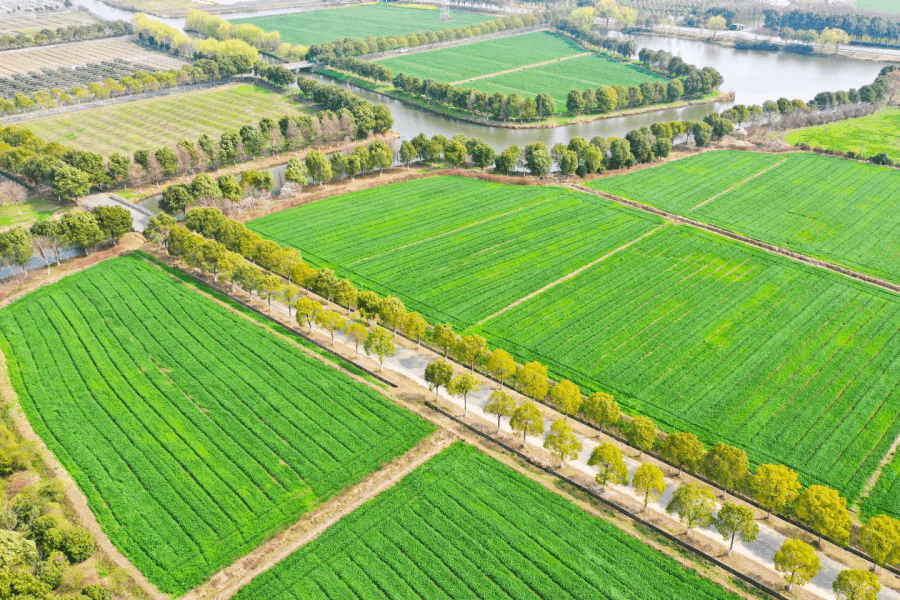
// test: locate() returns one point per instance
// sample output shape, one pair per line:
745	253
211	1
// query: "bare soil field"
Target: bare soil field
32	22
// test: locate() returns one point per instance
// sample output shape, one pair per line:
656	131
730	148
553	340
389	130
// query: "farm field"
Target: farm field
461	62
480	60
468	264
165	120
792	363
83	54
320	26
884	499
194	433
464	525
32	23
831	208
866	136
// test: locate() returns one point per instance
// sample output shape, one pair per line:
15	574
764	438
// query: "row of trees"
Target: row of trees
859	26
157	33
327	52
82	231
218	28
369	119
69	33
774	487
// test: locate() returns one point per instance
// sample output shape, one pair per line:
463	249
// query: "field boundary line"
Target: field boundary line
740	183
452	231
872	481
76	499
227	582
522	68
770	248
574	273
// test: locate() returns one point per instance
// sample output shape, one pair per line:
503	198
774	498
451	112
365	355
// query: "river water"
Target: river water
753	76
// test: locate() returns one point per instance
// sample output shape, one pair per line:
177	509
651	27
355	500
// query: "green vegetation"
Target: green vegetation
28	212
463	524
460	63
888	6
884	499
164	121
194	433
704	335
866	136
471	258
320	26
839	210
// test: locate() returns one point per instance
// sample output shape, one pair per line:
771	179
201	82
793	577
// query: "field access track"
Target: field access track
834	209
795	364
465	525
194	434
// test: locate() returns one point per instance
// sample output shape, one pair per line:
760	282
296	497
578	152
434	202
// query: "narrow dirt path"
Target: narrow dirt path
739	184
522	68
229	580
569	276
74	496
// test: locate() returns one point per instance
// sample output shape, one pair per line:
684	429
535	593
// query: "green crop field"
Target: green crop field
839	210
320	26
460	63
194	434
472	259
483	58
884	499
888	6
464	525
794	364
163	121
866	136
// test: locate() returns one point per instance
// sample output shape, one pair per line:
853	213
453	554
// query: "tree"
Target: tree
797	562
204	188
527	420
330	321
774	487
546	106
318	166
176	198
500	404
381	156
716	23
16	550
463	385
438	373
833	36
472	349
482	155
408	153
501	364
825	510
346	293
158	228
392	312
682	450
735	520
575	102
725	465
693	504
295	172
566	396
610	464
414	326
880	538
537	159
230	187
648	480
568	163
307	309
381	344
369	304
642	434
507	160
455	154
113	221
532	380
80	230
15	247
562	442
358	333
852	584
443	337
602	409
69	183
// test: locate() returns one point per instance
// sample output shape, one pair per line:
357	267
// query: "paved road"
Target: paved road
139	216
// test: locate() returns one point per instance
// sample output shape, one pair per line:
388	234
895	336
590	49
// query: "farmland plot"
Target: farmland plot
466	265
795	364
33	23
464	525
320	26
194	434
792	363
884	499
830	208
866	136
163	121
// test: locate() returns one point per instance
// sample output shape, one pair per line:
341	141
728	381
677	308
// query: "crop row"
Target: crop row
841	210
66	78
465	525
194	434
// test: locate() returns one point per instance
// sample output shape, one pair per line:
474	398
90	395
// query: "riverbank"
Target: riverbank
549	123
